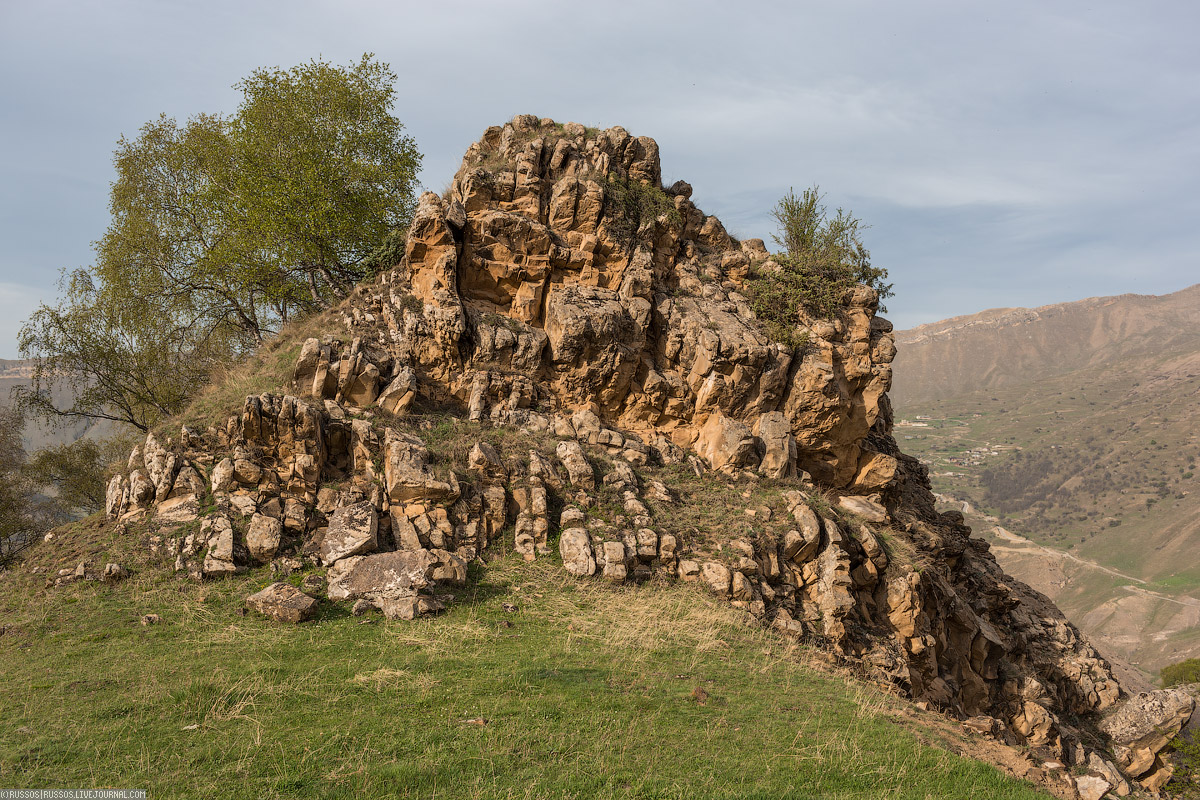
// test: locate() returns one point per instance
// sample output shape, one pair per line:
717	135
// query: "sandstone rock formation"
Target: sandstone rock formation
532	299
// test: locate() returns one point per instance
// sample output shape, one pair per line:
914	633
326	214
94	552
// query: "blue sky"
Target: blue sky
1003	154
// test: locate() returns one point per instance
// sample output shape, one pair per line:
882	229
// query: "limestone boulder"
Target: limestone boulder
407	475
178	510
727	444
613	556
283	602
399	395
778	446
263	537
218	532
381	576
1144	725
868	509
580	470
717	577
353	530
575	547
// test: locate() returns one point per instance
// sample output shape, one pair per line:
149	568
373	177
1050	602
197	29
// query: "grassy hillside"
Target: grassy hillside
532	685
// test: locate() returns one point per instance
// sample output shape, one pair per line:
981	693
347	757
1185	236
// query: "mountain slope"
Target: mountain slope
1017	346
1093	453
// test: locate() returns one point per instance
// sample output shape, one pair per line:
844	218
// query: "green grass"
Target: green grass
587	691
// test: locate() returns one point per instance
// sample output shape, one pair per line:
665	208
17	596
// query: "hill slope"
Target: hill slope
1092	453
530	686
1018	346
564	365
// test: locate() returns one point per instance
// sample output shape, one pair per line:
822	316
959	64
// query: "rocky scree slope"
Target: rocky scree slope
559	293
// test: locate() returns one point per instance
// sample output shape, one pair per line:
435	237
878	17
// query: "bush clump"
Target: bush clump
823	256
1181	673
630	203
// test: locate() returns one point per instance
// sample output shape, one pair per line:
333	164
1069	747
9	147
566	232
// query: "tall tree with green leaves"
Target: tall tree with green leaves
223	229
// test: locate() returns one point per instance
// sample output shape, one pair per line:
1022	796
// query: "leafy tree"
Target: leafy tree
1183	672
346	177
822	257
124	360
222	230
76	472
23	512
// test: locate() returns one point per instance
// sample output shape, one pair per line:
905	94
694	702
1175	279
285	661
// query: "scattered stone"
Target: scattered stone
113	573
362	606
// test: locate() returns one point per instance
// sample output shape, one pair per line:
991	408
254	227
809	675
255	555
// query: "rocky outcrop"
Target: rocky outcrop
608	345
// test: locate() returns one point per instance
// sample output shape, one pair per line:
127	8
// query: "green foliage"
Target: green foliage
324	169
629	204
125	361
223	229
823	257
20	512
1184	672
1184	755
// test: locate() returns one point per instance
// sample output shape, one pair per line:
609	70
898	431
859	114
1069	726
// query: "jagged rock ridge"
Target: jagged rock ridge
558	290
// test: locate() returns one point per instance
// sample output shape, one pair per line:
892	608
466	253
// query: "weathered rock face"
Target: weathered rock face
1142	728
531	268
531	297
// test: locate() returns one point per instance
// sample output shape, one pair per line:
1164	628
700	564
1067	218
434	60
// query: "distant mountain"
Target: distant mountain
1074	427
1013	346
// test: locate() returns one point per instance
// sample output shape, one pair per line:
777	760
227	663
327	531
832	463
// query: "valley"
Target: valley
1078	435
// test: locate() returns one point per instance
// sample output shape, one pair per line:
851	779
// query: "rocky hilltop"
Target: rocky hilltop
563	364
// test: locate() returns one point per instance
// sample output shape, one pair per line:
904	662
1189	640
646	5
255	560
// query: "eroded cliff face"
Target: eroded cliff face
559	292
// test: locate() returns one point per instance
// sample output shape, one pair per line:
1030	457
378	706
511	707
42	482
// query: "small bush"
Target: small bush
1183	672
823	258
629	204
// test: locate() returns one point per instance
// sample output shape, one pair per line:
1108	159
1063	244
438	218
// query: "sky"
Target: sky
1013	154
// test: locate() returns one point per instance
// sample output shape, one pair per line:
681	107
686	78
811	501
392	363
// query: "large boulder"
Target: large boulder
727	444
1143	726
407	475
263	537
353	530
381	576
283	602
575	547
